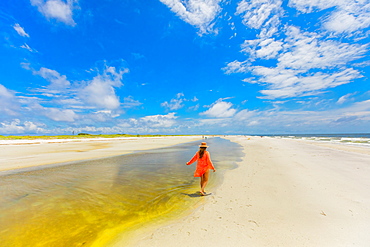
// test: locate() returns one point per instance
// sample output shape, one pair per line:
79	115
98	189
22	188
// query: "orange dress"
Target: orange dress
203	164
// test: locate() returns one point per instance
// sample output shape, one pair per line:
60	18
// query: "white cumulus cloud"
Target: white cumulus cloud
261	14
17	127
308	6
8	103
347	16
306	50
57	81
60	115
199	13
157	121
306	63
53	113
175	103
97	93
56	9
220	109
297	85
100	91
178	102
262	48
236	67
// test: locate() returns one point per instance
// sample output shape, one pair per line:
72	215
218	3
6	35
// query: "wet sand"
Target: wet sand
284	193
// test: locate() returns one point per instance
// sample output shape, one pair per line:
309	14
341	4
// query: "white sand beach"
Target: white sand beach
17	154
284	193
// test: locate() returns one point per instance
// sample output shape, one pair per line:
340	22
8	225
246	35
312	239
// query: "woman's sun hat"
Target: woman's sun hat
203	145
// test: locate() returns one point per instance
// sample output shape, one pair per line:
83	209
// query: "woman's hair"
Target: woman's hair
201	152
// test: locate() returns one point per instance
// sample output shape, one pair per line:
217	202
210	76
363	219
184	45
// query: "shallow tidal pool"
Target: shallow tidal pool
92	203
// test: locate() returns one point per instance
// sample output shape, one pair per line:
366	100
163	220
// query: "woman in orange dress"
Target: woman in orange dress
204	164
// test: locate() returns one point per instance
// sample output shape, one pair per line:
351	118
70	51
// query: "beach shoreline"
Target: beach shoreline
20	154
284	192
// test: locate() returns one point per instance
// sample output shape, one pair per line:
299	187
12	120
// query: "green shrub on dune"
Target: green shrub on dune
78	136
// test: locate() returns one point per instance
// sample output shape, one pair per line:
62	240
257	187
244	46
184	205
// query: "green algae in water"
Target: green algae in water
91	203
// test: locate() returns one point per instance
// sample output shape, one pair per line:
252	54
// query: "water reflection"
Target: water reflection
91	202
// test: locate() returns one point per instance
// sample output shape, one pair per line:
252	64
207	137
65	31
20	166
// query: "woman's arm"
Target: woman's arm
195	157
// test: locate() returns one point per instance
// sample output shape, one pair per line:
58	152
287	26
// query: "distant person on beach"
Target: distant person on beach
204	164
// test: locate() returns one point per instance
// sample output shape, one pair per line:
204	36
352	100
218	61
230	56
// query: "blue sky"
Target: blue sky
184	66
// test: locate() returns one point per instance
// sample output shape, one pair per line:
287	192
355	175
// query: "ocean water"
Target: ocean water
92	203
361	139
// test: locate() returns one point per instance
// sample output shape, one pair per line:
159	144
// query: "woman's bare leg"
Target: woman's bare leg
201	183
204	181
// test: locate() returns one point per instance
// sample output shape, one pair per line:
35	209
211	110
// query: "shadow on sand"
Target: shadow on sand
196	194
